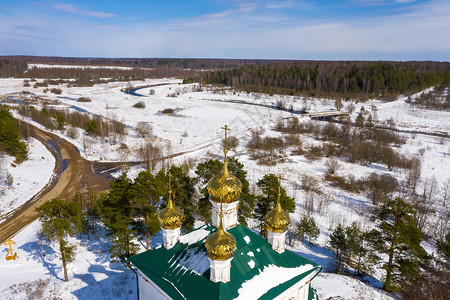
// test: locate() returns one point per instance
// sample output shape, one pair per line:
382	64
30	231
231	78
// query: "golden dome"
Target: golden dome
224	187
220	244
277	220
170	217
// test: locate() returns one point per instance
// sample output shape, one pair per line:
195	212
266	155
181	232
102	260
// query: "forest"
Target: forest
10	68
351	79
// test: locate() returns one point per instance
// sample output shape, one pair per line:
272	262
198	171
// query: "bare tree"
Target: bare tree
332	166
144	129
413	175
148	153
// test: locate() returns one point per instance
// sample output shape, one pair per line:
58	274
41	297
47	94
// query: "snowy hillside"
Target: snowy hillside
193	127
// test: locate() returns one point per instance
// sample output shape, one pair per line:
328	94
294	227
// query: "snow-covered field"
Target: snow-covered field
37	273
29	177
195	128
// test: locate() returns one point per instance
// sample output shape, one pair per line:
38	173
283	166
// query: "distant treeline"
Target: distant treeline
10	68
334	77
179	63
90	76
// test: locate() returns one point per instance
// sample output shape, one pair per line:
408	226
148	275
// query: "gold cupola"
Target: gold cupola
224	187
220	245
170	217
277	220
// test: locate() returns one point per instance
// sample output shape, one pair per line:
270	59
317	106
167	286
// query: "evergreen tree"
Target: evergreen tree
338	244
359	121
10	138
205	171
398	237
116	210
60	120
183	191
308	227
269	188
145	193
61	219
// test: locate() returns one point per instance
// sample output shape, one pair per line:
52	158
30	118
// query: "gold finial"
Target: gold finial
278	204
277	220
225	150
221	244
220	230
224	187
170	204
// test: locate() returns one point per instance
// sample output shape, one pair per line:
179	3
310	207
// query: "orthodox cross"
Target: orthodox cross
279	186
226	128
10	254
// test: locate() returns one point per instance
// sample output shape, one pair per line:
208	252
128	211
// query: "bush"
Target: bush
139	104
168	111
84	99
56	91
351	185
72	133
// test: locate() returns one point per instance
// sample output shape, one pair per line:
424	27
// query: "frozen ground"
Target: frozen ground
37	273
195	126
29	177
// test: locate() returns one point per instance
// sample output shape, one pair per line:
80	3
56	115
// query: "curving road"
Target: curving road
71	173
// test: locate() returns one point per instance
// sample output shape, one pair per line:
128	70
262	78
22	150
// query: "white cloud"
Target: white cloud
421	33
73	10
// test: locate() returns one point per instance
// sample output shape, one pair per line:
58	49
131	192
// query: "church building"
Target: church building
223	260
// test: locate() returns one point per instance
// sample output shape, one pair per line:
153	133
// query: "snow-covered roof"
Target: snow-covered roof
256	269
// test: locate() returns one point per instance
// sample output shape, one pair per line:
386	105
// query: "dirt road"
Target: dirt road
72	173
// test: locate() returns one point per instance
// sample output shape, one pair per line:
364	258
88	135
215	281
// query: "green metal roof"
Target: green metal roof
176	271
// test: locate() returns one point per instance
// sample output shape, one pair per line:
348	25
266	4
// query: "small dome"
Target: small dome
221	244
224	187
277	220
170	217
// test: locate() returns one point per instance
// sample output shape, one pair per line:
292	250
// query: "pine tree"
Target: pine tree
205	171
269	187
398	237
145	193
61	219
359	121
10	138
338	244
116	210
308	227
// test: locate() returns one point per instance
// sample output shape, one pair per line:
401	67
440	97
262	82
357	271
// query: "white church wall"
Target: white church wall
299	291
148	290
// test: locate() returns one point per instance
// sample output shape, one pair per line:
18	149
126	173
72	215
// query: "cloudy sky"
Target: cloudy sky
335	30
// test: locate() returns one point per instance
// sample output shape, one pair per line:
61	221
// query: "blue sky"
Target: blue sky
335	30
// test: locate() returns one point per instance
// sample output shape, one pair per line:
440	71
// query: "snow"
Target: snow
37	273
251	263
330	285
194	236
250	253
29	177
195	129
247	239
195	261
40	66
269	277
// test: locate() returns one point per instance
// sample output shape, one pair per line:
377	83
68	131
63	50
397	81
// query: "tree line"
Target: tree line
10	68
372	79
